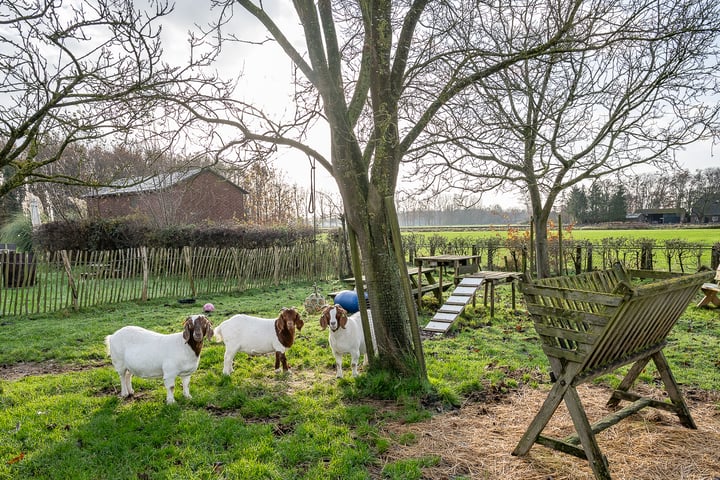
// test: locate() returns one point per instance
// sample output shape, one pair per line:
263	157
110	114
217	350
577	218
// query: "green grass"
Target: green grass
256	424
705	236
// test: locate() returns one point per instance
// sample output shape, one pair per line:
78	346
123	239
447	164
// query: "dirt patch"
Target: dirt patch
16	371
476	441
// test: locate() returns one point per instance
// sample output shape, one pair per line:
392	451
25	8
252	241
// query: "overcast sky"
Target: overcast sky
266	80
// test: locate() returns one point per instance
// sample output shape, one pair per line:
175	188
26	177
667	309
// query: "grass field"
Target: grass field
61	417
704	236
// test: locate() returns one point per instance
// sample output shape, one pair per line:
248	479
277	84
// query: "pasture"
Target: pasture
61	416
704	236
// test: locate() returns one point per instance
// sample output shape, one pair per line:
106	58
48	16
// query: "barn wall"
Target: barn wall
207	197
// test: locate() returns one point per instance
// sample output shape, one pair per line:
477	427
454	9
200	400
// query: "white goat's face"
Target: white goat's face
334	322
198	326
333	316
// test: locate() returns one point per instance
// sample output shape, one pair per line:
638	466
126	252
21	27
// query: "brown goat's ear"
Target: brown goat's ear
299	324
208	327
343	318
186	329
325	318
280	322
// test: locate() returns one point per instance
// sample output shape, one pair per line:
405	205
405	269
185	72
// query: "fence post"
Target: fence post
276	265
646	255
71	281
146	273
578	260
589	263
715	256
187	256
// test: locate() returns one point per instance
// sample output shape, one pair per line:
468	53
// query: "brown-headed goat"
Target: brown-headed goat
148	354
346	336
258	336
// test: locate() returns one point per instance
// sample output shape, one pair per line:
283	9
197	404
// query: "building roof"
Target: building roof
131	185
660	211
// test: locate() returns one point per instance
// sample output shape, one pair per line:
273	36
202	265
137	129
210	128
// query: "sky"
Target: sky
266	78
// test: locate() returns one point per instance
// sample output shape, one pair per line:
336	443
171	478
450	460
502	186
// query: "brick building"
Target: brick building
193	196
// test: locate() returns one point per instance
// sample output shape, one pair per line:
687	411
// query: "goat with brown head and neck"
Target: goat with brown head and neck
345	337
258	336
147	354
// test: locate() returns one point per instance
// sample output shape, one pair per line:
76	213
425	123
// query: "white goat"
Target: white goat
258	336
148	354
345	336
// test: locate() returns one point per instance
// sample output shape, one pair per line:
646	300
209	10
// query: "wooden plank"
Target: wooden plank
458	300
574	335
589	318
470	282
574	295
440	327
444	317
452	308
464	290
610	420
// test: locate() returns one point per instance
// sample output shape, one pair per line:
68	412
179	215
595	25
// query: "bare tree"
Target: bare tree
631	97
76	76
377	73
704	193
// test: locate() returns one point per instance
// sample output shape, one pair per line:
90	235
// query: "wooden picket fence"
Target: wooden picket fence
52	281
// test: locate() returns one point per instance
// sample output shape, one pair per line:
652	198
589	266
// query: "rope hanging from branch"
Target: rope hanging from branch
315	302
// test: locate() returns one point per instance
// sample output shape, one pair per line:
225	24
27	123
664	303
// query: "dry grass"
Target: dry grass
476	441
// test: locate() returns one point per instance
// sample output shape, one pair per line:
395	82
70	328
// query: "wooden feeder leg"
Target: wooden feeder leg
628	381
597	460
681	408
552	401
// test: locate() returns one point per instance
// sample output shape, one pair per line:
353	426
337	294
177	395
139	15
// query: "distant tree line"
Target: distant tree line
611	201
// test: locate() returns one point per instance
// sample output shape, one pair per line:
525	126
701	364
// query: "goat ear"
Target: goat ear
186	329
343	319
280	322
324	319
299	324
209	332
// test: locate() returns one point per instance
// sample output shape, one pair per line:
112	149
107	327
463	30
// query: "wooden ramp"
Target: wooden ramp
454	305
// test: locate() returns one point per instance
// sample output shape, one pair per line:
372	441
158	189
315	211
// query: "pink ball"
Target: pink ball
209	307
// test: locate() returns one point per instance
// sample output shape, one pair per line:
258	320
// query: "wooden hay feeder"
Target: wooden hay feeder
594	323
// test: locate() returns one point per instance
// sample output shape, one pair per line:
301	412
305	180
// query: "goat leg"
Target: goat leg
277	362
281	358
170	387
186	386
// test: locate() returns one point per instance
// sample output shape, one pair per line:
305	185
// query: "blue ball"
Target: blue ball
348	299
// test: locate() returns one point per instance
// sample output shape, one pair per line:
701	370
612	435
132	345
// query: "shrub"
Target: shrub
115	234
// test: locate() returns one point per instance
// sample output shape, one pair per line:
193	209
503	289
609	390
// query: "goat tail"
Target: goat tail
107	345
217	334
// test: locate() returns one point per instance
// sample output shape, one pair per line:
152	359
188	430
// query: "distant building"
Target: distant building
659	215
193	196
706	209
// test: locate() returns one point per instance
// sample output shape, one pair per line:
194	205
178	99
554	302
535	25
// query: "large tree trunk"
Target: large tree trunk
368	218
389	309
